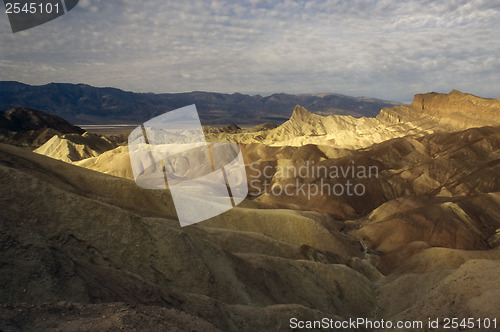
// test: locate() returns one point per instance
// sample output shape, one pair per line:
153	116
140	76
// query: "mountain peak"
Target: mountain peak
456	92
300	113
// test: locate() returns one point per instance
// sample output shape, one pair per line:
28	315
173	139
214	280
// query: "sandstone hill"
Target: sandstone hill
428	113
336	131
82	237
78	243
452	111
444	165
75	147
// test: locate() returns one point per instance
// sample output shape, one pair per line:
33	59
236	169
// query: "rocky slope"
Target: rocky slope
441	113
335	131
83	237
74	147
443	164
78	243
453	111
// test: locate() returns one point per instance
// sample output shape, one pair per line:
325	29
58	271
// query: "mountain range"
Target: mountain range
84	104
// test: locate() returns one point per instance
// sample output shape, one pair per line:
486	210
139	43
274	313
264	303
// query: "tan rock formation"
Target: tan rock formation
74	147
450	112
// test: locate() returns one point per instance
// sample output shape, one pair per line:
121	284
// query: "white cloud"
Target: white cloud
388	49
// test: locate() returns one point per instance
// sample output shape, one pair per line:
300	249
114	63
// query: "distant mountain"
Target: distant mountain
84	104
24	119
28	127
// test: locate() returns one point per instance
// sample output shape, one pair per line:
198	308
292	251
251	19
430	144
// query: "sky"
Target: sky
384	49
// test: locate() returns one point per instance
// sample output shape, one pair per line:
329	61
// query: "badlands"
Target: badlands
84	248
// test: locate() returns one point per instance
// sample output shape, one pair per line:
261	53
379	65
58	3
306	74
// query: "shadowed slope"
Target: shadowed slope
74	235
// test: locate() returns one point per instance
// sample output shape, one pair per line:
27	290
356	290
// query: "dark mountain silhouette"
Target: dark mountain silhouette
23	119
84	104
29	127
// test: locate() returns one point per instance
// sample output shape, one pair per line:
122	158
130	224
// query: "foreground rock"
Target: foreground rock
73	235
76	243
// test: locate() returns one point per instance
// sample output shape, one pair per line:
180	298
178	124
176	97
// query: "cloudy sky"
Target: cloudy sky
385	49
